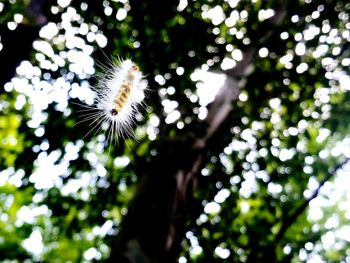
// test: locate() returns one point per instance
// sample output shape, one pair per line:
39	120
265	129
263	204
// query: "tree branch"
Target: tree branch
298	211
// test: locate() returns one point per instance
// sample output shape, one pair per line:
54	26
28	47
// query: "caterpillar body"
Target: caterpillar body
119	93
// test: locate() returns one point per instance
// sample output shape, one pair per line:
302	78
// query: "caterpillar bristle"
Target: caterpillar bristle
119	92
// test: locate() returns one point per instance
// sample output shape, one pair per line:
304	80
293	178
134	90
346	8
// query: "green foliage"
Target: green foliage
11	142
12	229
257	168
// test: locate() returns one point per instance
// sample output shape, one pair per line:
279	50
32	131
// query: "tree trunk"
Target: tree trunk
155	224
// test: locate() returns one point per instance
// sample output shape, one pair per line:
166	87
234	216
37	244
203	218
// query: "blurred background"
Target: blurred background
240	154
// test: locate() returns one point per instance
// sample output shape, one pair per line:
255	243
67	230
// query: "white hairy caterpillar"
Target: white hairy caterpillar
119	93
